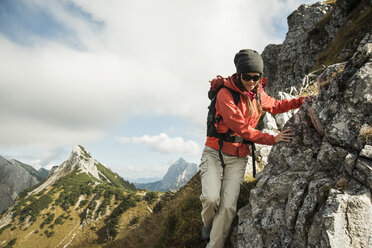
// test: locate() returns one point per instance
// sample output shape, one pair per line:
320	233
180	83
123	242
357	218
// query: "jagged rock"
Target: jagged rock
311	28
315	190
343	118
366	152
343	221
270	56
295	48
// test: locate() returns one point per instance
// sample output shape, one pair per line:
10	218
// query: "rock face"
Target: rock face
40	174
316	190
177	176
311	28
13	180
288	72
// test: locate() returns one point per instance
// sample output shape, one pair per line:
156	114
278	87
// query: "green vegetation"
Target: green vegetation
176	221
134	221
114	178
25	192
107	191
129	201
49	234
83	203
11	243
4	227
92	205
35	207
41	192
85	153
73	185
48	220
181	226
59	220
151	197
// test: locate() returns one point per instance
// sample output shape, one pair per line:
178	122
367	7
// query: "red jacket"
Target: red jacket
236	118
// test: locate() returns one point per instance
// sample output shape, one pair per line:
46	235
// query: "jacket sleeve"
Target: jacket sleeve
279	106
234	119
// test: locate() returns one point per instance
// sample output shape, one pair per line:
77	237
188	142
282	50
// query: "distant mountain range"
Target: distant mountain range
177	176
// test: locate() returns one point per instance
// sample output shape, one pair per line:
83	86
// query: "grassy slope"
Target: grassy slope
116	180
35	234
178	222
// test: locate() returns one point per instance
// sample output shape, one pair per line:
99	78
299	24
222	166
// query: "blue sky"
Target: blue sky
128	80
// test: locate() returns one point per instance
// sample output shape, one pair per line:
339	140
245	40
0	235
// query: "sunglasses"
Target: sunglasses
247	77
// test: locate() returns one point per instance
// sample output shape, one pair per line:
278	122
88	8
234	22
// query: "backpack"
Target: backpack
211	118
216	85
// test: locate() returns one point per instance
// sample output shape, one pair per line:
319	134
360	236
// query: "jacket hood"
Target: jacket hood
229	82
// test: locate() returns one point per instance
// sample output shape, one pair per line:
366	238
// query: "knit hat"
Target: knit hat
248	60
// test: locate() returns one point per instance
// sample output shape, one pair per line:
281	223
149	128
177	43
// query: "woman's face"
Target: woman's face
250	80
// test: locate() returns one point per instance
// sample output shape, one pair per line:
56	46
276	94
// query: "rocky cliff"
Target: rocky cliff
318	34
316	190
13	180
40	174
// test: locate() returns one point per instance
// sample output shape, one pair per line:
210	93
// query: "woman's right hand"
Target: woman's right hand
284	136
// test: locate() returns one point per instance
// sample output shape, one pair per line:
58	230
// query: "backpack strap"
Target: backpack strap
235	95
225	136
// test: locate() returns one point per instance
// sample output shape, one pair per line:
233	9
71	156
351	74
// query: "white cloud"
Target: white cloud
164	144
151	57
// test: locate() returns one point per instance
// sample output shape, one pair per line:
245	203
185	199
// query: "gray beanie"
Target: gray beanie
248	60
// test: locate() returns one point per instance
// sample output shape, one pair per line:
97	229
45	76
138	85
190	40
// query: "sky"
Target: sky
126	79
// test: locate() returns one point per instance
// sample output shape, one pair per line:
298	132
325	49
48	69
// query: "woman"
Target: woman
222	173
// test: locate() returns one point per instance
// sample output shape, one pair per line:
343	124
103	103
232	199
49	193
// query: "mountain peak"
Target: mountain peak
177	175
180	160
80	150
80	159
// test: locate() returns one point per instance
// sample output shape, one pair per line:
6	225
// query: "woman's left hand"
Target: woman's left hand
310	98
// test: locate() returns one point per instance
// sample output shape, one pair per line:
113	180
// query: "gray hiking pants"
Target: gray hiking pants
220	192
